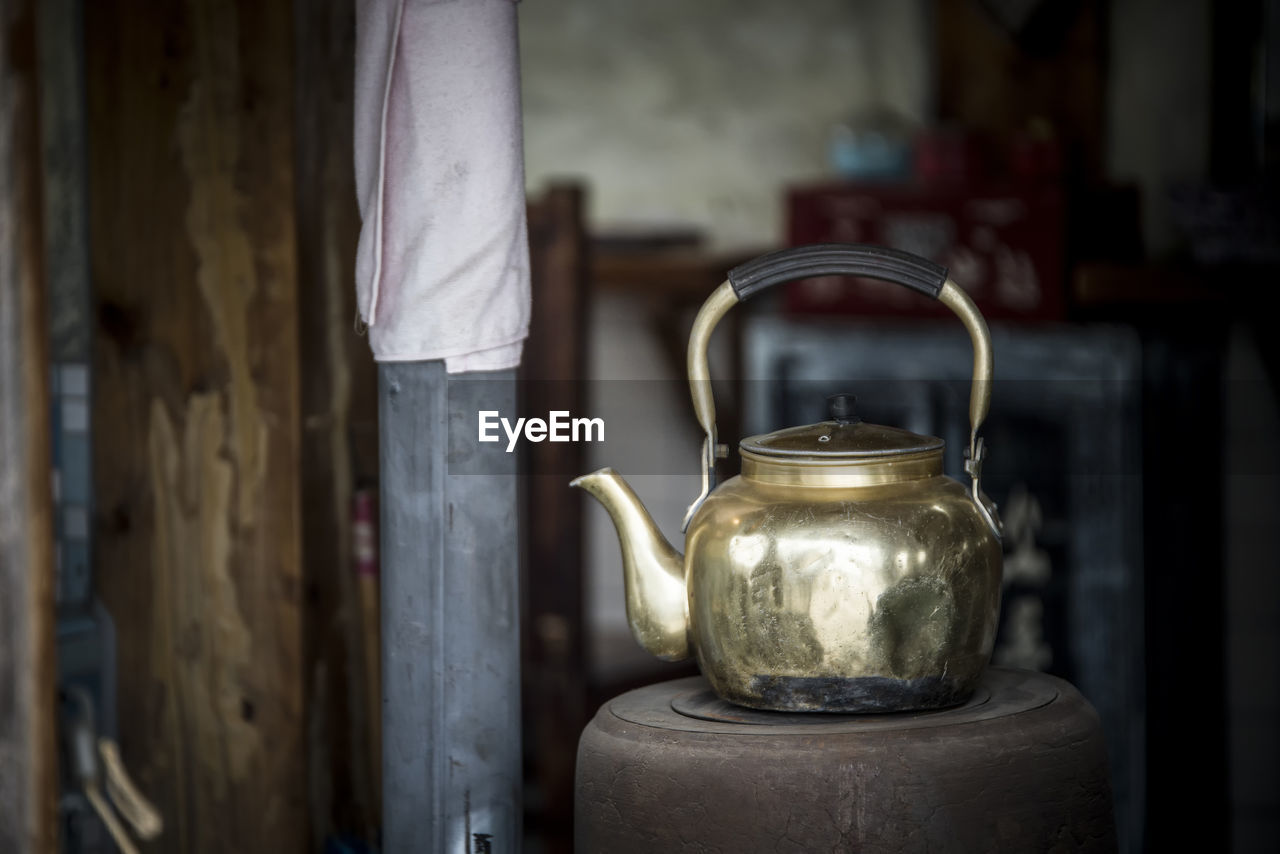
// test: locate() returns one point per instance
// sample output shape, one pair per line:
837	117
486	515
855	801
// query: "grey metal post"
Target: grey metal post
450	625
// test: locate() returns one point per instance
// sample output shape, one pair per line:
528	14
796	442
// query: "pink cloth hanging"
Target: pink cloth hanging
442	268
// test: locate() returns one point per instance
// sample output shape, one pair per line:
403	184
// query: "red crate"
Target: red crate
1003	243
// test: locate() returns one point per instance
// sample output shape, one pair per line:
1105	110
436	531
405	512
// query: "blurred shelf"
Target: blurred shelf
671	272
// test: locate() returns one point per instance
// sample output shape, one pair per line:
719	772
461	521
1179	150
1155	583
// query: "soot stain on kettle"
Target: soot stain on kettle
912	626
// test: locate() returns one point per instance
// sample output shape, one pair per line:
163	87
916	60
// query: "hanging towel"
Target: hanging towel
442	267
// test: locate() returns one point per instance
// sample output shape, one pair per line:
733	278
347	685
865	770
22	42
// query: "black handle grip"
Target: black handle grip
837	259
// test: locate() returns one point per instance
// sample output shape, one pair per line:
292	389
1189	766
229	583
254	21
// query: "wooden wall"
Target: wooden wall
27	753
195	277
339	441
236	412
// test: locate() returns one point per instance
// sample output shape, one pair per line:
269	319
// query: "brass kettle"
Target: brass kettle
841	571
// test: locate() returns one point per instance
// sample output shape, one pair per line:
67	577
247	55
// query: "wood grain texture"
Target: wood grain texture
28	757
196	451
339	433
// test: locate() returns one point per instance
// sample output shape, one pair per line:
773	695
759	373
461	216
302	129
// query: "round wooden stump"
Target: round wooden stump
1020	767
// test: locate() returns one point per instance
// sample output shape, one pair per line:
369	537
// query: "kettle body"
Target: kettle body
842	599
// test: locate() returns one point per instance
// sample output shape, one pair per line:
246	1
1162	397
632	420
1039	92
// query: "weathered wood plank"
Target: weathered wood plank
196	451
28	771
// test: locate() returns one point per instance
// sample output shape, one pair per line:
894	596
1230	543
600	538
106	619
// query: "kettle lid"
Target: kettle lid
844	436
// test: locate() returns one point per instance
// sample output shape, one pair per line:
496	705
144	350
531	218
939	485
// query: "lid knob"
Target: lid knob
842	408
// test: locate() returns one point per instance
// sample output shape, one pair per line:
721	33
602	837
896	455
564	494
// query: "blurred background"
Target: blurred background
1100	175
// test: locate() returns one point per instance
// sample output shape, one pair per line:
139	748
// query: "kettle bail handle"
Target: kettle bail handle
826	259
838	259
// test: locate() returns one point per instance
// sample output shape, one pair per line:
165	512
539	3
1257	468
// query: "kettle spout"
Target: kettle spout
657	603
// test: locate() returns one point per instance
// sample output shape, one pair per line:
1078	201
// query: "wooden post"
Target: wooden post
552	378
450	605
28	823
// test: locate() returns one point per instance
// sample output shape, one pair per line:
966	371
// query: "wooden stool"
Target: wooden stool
671	767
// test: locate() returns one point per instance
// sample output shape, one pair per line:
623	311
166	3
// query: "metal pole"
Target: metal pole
450	626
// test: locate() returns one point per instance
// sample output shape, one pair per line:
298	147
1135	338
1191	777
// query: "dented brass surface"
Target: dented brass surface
842	598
